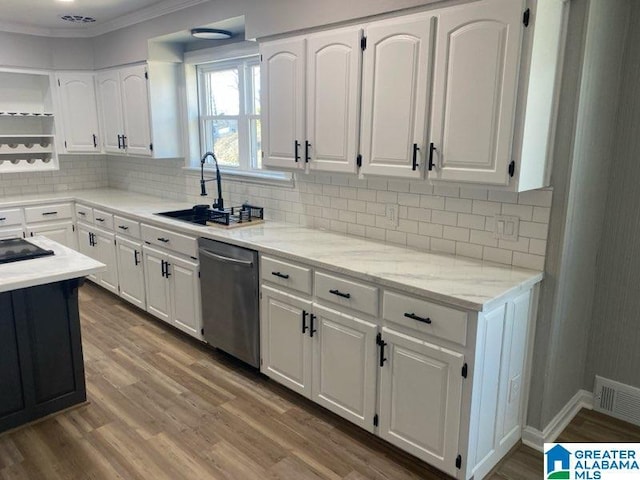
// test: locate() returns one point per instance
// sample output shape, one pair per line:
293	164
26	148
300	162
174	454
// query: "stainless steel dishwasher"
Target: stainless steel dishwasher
230	304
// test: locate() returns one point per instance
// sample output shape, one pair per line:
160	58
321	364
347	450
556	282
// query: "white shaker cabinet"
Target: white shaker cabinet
283	110
100	245
156	284
396	68
420	398
477	59
62	232
135	110
333	99
77	95
111	116
130	271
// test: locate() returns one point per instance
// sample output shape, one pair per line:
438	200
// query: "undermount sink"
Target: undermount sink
204	215
192	215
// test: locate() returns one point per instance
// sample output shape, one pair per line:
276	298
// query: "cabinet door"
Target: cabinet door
61	232
283	98
286	340
185	295
79	112
333	100
156	284
395	82
106	251
11	233
130	271
135	108
110	101
420	399
85	246
475	88
344	365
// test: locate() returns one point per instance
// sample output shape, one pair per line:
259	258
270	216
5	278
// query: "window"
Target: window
229	113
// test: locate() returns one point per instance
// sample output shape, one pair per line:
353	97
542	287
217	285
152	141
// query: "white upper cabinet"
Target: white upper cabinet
139	110
79	112
475	89
333	99
394	96
283	87
111	120
135	108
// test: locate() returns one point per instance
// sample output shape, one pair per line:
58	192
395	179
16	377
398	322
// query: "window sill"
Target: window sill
261	178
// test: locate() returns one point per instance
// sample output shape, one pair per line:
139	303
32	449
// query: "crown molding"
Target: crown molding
148	13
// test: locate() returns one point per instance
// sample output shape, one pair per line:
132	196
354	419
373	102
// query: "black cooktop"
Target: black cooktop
16	249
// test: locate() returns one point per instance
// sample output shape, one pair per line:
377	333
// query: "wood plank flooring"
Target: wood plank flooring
162	406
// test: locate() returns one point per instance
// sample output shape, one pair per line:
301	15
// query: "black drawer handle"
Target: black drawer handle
313	330
135	257
296	148
307	146
2	219
381	343
163	240
82	213
414	163
49	213
99	219
305	327
413	316
340	294
166	269
280	275
432	148
123	227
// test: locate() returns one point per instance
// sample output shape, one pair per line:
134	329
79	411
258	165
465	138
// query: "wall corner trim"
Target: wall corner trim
534	438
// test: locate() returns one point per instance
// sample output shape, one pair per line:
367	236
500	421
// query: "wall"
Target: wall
442	219
76	172
586	140
29	51
615	335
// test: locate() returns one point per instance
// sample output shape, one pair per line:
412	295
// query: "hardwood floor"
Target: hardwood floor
163	406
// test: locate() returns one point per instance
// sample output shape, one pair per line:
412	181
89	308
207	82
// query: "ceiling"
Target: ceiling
42	17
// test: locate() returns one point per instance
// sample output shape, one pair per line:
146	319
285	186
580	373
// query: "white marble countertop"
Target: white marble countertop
64	264
466	283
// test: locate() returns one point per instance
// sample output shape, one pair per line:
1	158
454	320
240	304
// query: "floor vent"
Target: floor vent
617	399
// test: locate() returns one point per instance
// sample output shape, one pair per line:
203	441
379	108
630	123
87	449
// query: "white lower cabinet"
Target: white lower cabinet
61	232
420	398
172	290
130	271
100	245
6	233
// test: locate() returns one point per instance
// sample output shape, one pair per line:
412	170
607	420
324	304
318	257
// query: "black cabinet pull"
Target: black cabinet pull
304	321
312	330
136	262
340	294
123	227
416	149
163	273
296	147
99	219
49	213
281	275
119	141
163	240
381	343
413	316
432	148
166	269
82	213
124	142
2	219
92	239
307	146
95	141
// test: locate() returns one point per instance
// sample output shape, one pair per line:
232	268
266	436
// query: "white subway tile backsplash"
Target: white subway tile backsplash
446	190
399	238
409	199
481	207
524	212
456	233
538	247
419	214
525	260
534	230
497	255
457	205
443	246
541	214
418	241
467	220
469	250
444	218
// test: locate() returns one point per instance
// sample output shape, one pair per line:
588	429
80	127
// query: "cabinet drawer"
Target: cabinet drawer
44	213
11	217
125	226
171	240
84	213
426	317
355	295
286	274
103	219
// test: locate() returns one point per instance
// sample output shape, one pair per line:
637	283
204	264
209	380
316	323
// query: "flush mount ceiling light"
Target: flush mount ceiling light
211	34
77	19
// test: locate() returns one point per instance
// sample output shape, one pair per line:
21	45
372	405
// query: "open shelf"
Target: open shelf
25	149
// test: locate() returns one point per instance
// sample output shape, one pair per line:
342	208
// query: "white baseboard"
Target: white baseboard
534	438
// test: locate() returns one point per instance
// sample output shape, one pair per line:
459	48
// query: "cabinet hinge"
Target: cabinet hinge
151	147
359	160
375	420
465	369
512	168
146	75
459	462
526	17
363	43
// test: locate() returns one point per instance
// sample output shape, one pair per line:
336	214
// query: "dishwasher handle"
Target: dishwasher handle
221	258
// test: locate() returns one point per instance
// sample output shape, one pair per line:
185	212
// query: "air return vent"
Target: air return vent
77	19
617	399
